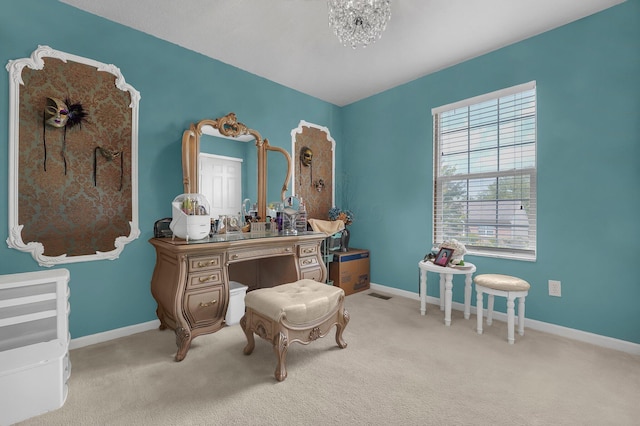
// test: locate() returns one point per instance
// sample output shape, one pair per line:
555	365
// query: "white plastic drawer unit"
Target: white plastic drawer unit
34	343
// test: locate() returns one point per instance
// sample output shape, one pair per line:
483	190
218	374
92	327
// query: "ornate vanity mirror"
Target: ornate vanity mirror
229	127
73	138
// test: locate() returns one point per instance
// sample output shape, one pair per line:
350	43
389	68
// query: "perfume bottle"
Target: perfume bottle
301	219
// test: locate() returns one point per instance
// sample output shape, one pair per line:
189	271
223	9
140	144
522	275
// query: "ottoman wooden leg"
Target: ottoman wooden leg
340	326
280	346
251	343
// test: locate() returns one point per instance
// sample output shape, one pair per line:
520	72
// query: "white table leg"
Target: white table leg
446	287
423	291
448	295
442	296
467	296
479	310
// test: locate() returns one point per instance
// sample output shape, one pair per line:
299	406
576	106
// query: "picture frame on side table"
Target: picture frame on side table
443	257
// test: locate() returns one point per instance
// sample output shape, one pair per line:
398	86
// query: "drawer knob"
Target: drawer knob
207	263
308	250
235	256
288	249
307	261
206	304
205	279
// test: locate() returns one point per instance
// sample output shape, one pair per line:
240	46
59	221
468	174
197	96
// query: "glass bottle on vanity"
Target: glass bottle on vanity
301	219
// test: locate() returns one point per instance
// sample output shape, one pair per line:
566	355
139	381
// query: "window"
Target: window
485	173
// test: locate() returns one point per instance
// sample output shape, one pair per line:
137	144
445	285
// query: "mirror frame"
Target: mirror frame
229	127
36	248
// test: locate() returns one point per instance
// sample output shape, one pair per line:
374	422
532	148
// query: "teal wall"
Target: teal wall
588	86
588	83
177	87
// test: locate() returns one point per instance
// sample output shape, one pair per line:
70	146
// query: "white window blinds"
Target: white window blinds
485	173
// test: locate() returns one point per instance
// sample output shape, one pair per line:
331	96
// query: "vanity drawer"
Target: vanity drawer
204	307
257	253
206	278
308	262
205	262
307	250
311	274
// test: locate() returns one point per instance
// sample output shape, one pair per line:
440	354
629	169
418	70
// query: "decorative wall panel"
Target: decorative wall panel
73	187
315	181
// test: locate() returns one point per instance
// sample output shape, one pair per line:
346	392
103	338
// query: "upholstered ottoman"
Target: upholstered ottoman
506	286
301	311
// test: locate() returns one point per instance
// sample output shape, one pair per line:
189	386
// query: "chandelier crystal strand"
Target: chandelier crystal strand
358	22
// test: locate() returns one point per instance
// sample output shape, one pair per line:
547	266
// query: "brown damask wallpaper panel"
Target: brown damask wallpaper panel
318	203
80	207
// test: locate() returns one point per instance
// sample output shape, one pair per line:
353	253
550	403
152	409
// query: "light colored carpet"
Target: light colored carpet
399	368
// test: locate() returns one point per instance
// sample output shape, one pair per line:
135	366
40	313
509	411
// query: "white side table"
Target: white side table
446	287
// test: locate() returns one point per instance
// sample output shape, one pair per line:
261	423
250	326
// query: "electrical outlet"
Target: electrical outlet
555	288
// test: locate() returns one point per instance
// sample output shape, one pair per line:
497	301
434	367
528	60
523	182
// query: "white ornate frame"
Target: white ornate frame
36	62
324	129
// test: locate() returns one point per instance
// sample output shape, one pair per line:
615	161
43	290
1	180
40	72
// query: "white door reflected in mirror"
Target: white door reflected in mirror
221	182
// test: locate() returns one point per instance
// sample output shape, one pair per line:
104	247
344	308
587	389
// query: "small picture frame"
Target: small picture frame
444	256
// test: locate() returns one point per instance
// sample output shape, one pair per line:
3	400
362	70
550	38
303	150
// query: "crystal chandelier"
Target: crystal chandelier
359	22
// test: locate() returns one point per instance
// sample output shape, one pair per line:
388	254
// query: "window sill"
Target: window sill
501	255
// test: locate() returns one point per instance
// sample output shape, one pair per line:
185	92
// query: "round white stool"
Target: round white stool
506	286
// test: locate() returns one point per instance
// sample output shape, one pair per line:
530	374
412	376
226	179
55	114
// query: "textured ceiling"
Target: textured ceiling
289	41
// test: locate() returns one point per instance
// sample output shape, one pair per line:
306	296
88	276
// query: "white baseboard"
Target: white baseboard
113	334
569	333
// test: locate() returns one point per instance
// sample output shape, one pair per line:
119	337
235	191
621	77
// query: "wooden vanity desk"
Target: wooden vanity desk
190	280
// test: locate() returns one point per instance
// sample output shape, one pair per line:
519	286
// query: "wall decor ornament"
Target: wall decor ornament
108	155
61	114
314	182
306	161
61	210
306	156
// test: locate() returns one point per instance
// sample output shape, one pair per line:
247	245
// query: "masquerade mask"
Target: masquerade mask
306	156
56	113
